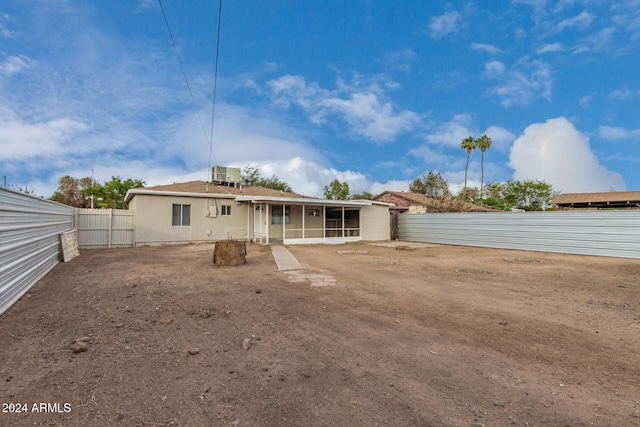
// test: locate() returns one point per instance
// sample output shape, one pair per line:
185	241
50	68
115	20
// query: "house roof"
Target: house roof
244	193
610	199
432	204
202	189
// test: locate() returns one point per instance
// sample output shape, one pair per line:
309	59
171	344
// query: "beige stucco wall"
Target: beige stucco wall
375	222
154	216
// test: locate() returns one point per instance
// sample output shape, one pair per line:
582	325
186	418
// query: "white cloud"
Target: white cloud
617	133
537	5
308	177
585	101
21	140
393	185
371	118
147	4
550	47
582	21
486	48
494	69
399	60
539	8
525	81
627	17
452	167
5	32
601	41
457	186
556	152
501	138
434	159
622	94
440	26
15	64
453	132
362	108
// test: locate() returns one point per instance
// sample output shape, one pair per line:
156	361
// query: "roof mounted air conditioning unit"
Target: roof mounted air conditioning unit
435	192
225	174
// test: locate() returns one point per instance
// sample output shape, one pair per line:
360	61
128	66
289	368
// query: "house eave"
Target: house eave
304	201
135	192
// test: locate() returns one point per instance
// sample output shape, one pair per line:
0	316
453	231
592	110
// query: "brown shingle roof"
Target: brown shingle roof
610	196
608	199
435	205
213	188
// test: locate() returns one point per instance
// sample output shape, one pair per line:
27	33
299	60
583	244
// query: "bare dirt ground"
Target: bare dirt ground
365	335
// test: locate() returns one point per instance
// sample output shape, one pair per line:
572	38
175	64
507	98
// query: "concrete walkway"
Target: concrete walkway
285	259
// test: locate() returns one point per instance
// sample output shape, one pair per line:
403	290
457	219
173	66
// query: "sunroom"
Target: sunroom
302	221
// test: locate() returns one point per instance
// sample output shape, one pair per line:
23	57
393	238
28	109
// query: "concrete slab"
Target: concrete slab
285	259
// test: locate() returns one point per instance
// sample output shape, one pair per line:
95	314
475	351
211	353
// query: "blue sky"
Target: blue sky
373	93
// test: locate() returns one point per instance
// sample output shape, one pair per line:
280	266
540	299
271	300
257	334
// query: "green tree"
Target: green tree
276	184
336	190
110	195
71	191
253	175
430	180
362	195
483	143
250	175
468	194
529	195
468	144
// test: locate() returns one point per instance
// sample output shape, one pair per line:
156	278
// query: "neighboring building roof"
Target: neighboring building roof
610	199
403	199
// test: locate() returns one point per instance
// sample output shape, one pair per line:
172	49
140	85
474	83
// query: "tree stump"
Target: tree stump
230	252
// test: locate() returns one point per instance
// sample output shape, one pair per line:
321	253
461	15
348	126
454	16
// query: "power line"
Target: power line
209	139
215	88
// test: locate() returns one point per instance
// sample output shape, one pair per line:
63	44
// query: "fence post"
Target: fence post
110	227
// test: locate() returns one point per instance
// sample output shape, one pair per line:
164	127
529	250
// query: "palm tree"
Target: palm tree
468	144
483	143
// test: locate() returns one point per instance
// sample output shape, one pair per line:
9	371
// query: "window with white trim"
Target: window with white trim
181	215
226	210
277	217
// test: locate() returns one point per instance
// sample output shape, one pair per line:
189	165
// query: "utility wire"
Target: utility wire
215	88
175	47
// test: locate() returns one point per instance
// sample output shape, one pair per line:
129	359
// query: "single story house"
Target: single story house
608	200
421	203
200	211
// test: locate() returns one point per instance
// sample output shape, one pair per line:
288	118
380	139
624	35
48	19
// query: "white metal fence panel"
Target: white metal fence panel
30	247
105	228
602	233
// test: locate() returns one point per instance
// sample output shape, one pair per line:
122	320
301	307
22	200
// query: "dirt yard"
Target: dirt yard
366	335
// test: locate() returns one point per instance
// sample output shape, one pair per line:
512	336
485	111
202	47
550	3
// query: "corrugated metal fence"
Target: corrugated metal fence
30	230
105	228
602	233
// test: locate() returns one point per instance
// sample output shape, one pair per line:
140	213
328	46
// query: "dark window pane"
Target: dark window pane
186	215
175	221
